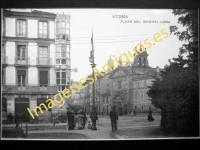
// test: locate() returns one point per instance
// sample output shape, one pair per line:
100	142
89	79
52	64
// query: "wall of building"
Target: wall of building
52	77
32	53
10	75
33	76
10	27
10	105
10	52
51	29
53	53
32	28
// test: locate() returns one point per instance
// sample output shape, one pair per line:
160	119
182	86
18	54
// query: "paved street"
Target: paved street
129	127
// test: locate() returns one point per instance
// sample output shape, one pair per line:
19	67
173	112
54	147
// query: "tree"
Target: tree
176	92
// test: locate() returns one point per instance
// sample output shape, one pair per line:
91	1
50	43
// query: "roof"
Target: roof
34	13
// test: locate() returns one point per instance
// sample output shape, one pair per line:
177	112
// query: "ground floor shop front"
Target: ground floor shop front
18	104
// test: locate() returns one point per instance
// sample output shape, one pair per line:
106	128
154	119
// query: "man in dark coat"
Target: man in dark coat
70	118
9	117
113	118
17	119
94	117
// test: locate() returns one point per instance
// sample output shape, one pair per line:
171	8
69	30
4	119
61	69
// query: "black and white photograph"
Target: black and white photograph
99	74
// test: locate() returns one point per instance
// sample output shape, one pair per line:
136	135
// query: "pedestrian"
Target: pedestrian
94	117
56	118
84	119
113	118
89	125
17	118
70	118
9	117
150	118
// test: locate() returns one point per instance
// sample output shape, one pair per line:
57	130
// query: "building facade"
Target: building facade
62	63
125	88
28	54
129	86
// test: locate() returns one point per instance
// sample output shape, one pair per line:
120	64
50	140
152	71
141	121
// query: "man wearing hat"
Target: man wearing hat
113	118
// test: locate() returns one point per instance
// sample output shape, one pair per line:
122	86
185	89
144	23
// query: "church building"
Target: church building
129	85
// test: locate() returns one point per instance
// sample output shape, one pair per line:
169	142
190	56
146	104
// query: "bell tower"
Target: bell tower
141	60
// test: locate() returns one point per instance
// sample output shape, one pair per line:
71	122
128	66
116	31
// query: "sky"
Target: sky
115	36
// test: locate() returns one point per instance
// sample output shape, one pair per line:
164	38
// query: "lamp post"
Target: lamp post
93	113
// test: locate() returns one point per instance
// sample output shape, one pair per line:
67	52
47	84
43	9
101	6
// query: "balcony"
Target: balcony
22	61
44	62
29	89
4	60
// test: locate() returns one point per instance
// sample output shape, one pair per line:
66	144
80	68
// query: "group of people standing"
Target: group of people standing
76	120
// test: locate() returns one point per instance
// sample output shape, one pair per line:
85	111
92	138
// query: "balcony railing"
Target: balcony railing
43	87
43	61
22	60
4	60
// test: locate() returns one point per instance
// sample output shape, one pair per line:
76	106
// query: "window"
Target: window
61	54
43	55
43	29
21	78
21	27
63	28
140	62
119	84
21	51
43	78
61	51
125	82
144	62
61	79
60	27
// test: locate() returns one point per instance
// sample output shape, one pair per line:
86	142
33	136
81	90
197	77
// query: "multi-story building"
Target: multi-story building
28	58
62	59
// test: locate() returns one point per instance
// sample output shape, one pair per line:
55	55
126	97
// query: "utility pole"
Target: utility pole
93	91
